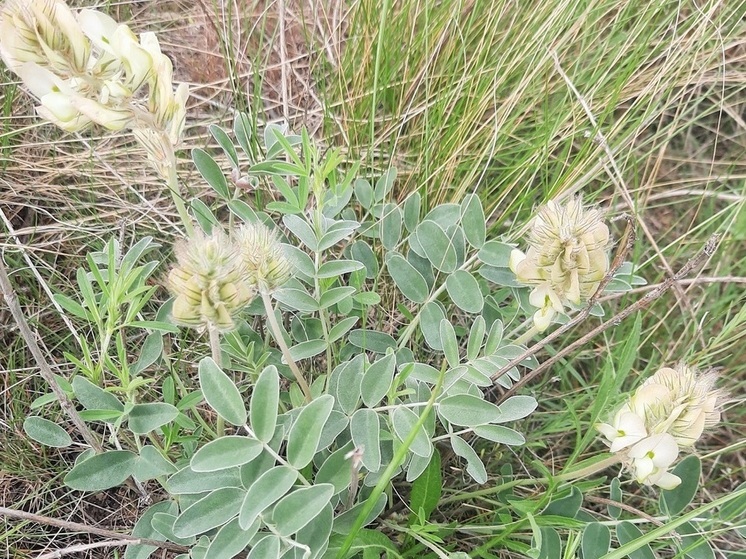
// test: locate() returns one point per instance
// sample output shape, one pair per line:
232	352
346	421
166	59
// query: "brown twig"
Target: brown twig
84	547
77	527
633	510
640	304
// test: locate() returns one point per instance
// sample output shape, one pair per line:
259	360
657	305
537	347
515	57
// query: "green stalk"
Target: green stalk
215	352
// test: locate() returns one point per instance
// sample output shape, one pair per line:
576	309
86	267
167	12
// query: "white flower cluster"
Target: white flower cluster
86	68
670	410
217	276
566	258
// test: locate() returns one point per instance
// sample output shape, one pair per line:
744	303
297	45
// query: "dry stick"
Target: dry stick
619	181
707	251
83	547
77	527
46	371
628	240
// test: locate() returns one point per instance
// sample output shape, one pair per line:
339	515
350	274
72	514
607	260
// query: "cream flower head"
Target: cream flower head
208	282
263	256
566	259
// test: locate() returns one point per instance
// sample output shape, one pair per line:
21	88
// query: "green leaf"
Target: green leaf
264	401
46	432
209	512
674	501
243	211
343	523
221	393
144	418
231	540
225	142
301	229
187	481
93	397
384	184
412	211
315	535
204	216
361	251
476	337
430	316
264	492
300	507
163	523
427	489
566	506
516	407
342	327
151	464
495	254
151	351
468	410
363	193
225	452
296	299
627	532
71	306
336	268
144	529
211	172
473	221
307	349
370	340
391	225
500	434
266	548
437	246
404	420
304	436
450	343
551	545
407	279
694	543
102	471
336	469
615	494
474	466
377	380
335	295
596	541
463	289
365	429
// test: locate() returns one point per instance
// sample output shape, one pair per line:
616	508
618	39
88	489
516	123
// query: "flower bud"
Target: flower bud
263	256
208	282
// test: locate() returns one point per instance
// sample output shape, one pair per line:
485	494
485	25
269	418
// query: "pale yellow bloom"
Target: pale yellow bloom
208	282
263	256
566	257
651	458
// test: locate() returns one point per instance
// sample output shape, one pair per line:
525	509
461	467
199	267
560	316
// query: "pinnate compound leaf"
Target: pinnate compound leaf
144	418
463	290
209	512
271	486
596	541
46	432
474	466
264	401
225	452
102	471
407	279
221	392
677	499
305	433
371	340
230	540
300	507
151	464
468	410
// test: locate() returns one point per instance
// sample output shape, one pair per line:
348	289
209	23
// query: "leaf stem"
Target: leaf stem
216	356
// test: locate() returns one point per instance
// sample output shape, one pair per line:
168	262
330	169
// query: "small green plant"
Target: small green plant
354	347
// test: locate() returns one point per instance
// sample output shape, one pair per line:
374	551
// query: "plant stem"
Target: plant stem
172	181
277	332
215	352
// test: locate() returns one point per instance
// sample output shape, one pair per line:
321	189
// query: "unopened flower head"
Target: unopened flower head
566	259
264	256
208	282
